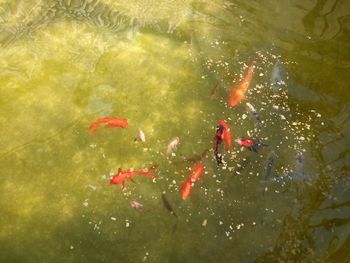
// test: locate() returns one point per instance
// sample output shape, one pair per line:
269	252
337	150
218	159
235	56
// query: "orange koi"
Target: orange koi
122	176
110	122
197	171
238	92
186	189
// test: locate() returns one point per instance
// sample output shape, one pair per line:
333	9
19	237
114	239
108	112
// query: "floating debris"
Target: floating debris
204	223
92	187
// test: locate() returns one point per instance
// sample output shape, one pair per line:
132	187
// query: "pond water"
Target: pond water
168	66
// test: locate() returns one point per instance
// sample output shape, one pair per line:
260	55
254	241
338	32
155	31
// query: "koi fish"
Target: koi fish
173	145
226	133
192	159
270	164
186	189
252	144
237	92
276	77
122	176
214	90
137	206
110	122
299	175
197	171
299	162
222	133
253	112
167	205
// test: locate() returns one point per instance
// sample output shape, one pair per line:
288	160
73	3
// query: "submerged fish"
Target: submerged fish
250	143
214	90
253	112
299	162
137	206
270	165
167	205
238	92
110	123
192	159
276	77
173	145
299	174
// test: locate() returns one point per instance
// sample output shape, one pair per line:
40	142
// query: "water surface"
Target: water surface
167	66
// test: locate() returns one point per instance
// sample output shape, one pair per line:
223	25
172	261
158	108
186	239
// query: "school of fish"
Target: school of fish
223	135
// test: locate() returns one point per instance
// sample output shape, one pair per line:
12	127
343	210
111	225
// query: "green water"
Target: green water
167	66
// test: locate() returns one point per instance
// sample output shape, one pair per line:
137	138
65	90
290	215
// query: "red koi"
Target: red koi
110	122
245	142
122	176
222	133
226	133
238	92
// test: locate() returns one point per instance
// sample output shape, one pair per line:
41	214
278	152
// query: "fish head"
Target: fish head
220	128
239	141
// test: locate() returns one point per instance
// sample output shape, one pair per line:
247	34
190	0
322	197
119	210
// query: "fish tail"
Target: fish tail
151	175
174	227
94	126
172	212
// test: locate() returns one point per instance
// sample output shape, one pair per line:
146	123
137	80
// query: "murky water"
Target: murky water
168	66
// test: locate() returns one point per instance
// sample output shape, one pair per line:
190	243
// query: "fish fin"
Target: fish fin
132	180
93	127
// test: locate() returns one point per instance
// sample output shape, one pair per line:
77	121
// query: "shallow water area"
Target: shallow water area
168	67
